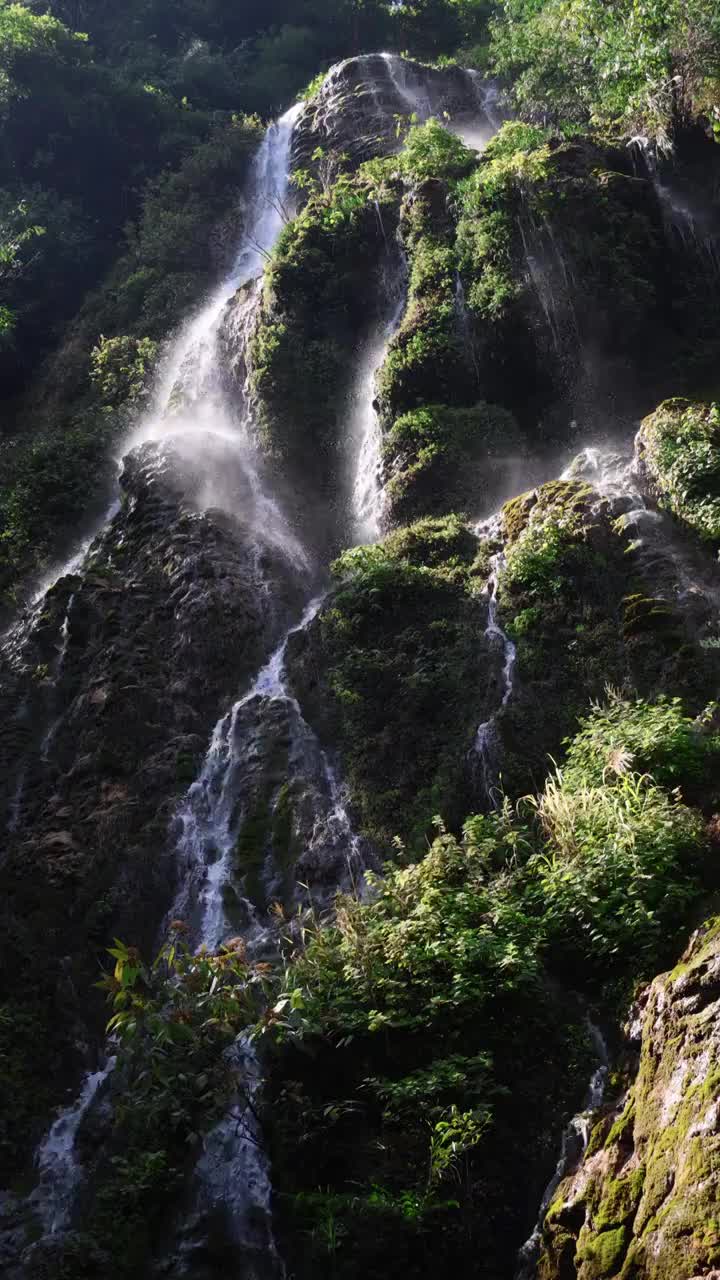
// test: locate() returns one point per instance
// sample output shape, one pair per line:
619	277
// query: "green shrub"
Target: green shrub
658	738
618	873
680	446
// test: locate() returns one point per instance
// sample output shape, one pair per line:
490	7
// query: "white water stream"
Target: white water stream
189	397
486	747
190	400
364	426
57	1159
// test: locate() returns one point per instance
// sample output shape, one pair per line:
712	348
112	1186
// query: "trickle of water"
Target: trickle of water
13	822
415	97
212	812
486	746
364	428
696	228
574	1145
57	1160
549	275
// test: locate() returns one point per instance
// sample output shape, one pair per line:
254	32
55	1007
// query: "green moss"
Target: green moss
400	643
319	293
443	458
427	361
679	445
620	1198
622	1127
603	1254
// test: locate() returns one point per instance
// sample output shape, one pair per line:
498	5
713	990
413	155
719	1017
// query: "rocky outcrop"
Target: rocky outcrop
353	115
645	1203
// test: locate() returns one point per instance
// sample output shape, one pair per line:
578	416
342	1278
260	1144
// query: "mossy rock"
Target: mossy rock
398	652
440	458
678	454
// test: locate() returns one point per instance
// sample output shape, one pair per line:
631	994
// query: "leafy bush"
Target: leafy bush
679	445
173	1022
431	151
618	873
623	735
120	368
644	65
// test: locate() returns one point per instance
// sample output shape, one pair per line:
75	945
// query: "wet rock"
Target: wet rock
354	113
645	1201
91	773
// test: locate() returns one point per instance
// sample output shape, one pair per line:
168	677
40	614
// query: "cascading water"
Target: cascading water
684	217
364	427
421	101
191	374
486	749
59	1168
683	573
189	398
574	1145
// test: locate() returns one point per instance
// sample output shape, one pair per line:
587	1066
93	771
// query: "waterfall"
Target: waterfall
212	813
415	98
365	430
189	398
56	674
549	275
574	1145
190	374
59	1169
486	748
685	573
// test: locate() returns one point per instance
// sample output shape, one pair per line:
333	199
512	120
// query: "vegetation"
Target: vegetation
679	448
173	1024
399	644
649	66
318	291
415	1008
441	457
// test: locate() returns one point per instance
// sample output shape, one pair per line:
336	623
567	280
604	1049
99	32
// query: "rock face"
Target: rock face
110	689
354	113
645	1203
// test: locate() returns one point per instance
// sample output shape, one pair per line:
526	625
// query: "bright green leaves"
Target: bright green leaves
637	62
679	445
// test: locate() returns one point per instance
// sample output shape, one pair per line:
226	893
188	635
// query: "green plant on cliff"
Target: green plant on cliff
619	869
121	368
417	1005
399	643
319	289
489	203
622	735
444	457
680	446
